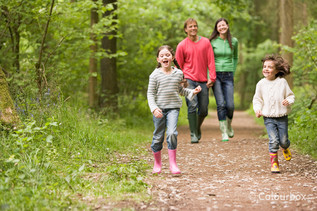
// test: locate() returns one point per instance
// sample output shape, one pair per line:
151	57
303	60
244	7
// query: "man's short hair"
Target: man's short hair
189	20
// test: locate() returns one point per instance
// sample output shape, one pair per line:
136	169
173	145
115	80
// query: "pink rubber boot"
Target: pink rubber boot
157	163
172	158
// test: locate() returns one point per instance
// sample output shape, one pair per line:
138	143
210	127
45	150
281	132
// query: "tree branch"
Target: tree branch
38	65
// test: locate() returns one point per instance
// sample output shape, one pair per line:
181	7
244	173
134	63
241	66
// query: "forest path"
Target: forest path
232	175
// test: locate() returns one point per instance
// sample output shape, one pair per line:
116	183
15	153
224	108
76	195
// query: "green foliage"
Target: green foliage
263	15
28	171
305	58
303	124
233	10
146	25
304	114
127	178
50	160
135	110
66	50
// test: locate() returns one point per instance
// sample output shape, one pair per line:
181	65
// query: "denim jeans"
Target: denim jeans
223	91
169	123
199	104
277	129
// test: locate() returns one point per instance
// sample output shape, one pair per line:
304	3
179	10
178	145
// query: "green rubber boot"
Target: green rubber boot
200	122
192	119
229	128
223	128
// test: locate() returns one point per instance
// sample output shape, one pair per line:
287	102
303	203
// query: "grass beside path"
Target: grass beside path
70	161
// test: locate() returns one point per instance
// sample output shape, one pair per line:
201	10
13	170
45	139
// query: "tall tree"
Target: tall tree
286	33
93	59
108	67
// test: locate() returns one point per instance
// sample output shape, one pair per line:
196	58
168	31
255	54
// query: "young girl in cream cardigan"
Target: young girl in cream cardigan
272	100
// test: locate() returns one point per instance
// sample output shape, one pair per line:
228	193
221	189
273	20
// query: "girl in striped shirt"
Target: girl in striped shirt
165	86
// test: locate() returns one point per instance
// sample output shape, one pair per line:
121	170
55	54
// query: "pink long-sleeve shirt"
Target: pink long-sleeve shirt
194	58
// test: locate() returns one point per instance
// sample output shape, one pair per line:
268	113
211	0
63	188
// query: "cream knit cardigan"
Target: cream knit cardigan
269	95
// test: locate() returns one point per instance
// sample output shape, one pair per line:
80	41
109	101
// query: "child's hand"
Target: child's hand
258	114
197	90
285	102
158	113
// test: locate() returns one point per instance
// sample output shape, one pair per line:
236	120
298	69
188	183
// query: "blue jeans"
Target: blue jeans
277	129
169	122
199	104
223	91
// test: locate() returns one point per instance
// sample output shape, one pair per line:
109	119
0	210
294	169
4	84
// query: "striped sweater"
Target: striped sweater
164	90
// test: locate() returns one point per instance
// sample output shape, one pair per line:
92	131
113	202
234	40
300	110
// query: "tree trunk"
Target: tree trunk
17	47
8	114
13	28
39	70
300	15
108	69
304	13
93	61
286	26
242	79
257	8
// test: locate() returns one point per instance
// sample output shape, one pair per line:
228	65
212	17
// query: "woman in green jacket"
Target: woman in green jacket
226	58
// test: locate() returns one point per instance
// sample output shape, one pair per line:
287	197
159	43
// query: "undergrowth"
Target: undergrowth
66	157
303	124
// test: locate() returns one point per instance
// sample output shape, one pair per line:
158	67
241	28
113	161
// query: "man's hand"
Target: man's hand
210	83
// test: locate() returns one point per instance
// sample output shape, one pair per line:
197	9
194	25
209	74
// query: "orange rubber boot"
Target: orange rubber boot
274	162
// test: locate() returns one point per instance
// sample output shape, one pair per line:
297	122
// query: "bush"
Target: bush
303	124
49	161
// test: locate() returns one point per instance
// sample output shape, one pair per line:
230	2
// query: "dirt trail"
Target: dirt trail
232	175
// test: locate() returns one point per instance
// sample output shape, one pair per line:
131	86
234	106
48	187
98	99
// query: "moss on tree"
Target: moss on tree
8	114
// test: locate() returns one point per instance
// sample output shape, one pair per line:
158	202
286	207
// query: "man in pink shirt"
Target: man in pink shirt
194	55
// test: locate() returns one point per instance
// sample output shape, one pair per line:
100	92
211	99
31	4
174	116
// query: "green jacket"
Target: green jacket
225	59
